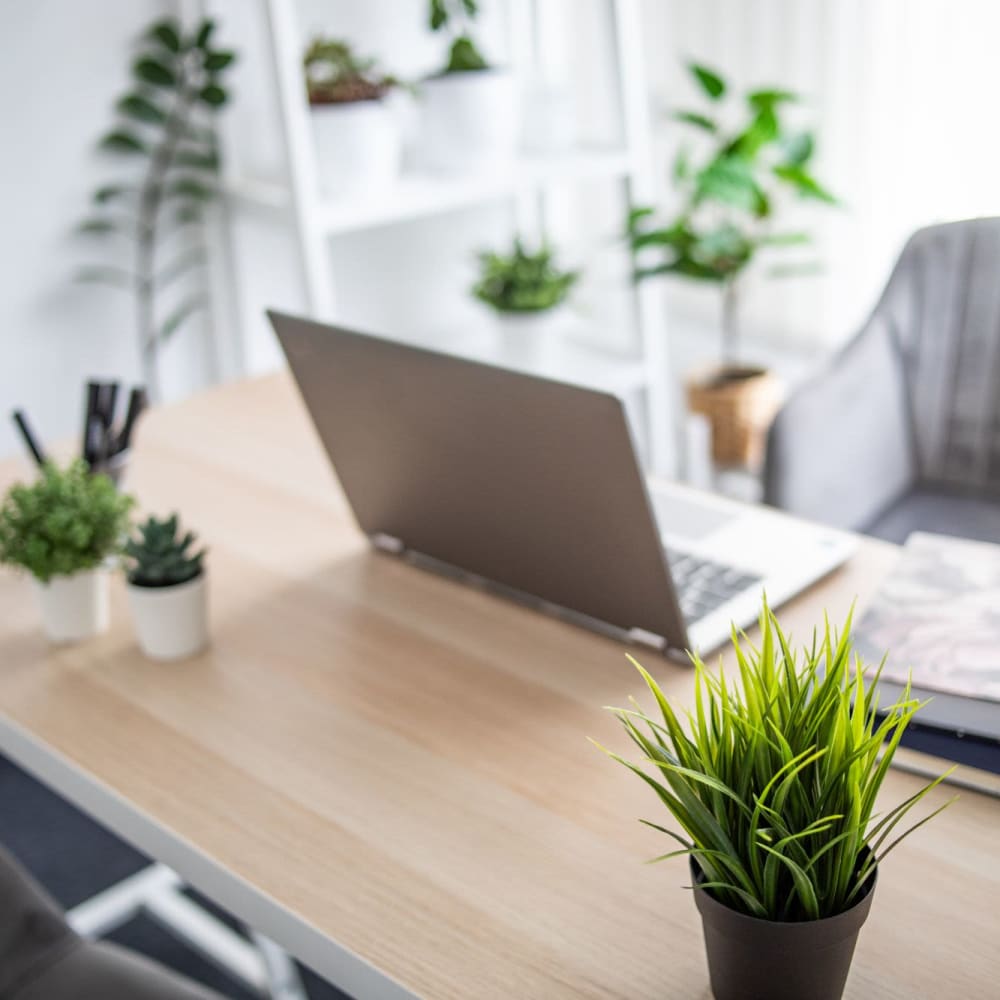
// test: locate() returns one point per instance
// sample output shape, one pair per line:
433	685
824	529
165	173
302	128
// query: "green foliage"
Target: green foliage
522	281
162	131
66	521
335	75
160	556
456	16
774	777
731	196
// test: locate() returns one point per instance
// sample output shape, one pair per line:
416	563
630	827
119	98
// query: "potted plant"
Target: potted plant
62	529
166	589
730	198
357	136
468	108
525	291
164	135
772	779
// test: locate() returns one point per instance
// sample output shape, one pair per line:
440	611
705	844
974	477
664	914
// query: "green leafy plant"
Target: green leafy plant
730	196
160	556
335	75
522	281
773	778
163	131
456	17
67	521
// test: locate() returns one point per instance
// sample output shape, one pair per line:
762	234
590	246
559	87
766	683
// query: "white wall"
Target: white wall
63	65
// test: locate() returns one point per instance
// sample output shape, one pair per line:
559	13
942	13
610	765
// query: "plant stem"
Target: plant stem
730	323
150	201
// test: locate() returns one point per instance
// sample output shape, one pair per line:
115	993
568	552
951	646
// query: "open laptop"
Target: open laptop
533	486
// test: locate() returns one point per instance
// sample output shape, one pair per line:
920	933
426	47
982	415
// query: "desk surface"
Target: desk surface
388	772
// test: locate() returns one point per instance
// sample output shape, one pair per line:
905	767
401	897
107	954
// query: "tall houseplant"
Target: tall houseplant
468	107
730	199
163	133
772	779
62	528
358	143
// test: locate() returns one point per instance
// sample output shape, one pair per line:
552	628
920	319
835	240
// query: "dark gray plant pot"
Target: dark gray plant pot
753	959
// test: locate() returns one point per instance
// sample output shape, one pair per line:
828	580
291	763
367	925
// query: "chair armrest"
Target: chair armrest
841	449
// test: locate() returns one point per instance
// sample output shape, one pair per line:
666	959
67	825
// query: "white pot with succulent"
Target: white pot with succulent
357	133
526	293
469	109
62	529
166	590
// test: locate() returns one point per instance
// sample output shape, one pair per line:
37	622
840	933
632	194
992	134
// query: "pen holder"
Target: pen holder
114	467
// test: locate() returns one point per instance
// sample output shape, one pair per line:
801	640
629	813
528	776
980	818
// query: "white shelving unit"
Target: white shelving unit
639	376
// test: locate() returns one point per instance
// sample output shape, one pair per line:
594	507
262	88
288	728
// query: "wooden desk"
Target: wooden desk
388	773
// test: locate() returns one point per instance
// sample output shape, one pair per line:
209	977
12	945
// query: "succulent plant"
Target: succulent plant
335	75
522	281
161	556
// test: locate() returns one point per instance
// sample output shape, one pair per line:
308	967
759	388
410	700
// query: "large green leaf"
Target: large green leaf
141	108
769	97
804	183
197	159
154	71
188	187
438	15
173	322
697	119
218	60
213	95
111	192
167	34
799	148
204	33
117	277
122	140
713	85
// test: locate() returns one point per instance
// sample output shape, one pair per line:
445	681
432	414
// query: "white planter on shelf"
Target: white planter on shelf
170	622
530	337
74	607
358	146
468	120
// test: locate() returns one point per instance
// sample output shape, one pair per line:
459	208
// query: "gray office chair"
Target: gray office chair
902	432
41	958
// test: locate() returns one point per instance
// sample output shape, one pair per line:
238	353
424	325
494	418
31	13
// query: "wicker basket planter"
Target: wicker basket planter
739	403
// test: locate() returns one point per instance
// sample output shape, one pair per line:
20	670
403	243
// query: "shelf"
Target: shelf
561	358
420	194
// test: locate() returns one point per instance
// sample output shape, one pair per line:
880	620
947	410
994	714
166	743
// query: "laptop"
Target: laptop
533	488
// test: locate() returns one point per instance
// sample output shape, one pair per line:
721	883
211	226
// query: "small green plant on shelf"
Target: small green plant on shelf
65	522
164	134
159	555
456	17
336	75
730	196
521	281
773	776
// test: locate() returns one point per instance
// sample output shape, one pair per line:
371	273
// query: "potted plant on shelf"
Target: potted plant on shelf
357	136
166	589
469	117
525	292
164	134
730	199
772	779
62	529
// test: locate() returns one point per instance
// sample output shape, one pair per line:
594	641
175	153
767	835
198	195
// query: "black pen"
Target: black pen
137	402
93	394
29	439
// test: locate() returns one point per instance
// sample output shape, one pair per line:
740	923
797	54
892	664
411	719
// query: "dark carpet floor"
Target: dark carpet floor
74	858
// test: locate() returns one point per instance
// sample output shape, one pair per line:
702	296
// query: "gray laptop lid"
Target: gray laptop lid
529	483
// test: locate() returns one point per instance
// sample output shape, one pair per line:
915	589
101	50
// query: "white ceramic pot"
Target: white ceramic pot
358	147
74	607
530	337
468	121
171	622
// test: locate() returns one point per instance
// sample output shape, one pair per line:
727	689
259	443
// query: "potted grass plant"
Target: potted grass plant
62	529
772	780
468	114
526	292
357	136
732	189
166	589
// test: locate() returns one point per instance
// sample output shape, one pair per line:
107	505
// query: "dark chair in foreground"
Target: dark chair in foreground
41	958
902	432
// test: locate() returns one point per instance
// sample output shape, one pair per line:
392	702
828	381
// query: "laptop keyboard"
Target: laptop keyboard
703	585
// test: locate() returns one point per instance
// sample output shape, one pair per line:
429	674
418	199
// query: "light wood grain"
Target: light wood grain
401	762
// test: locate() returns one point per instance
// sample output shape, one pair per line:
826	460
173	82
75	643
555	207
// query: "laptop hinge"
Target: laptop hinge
387	543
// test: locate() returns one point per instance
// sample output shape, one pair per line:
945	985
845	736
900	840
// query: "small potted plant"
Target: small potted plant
525	292
730	199
166	589
772	778
62	529
469	119
358	142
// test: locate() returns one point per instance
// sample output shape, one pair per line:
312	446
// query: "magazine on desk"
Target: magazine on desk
938	616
